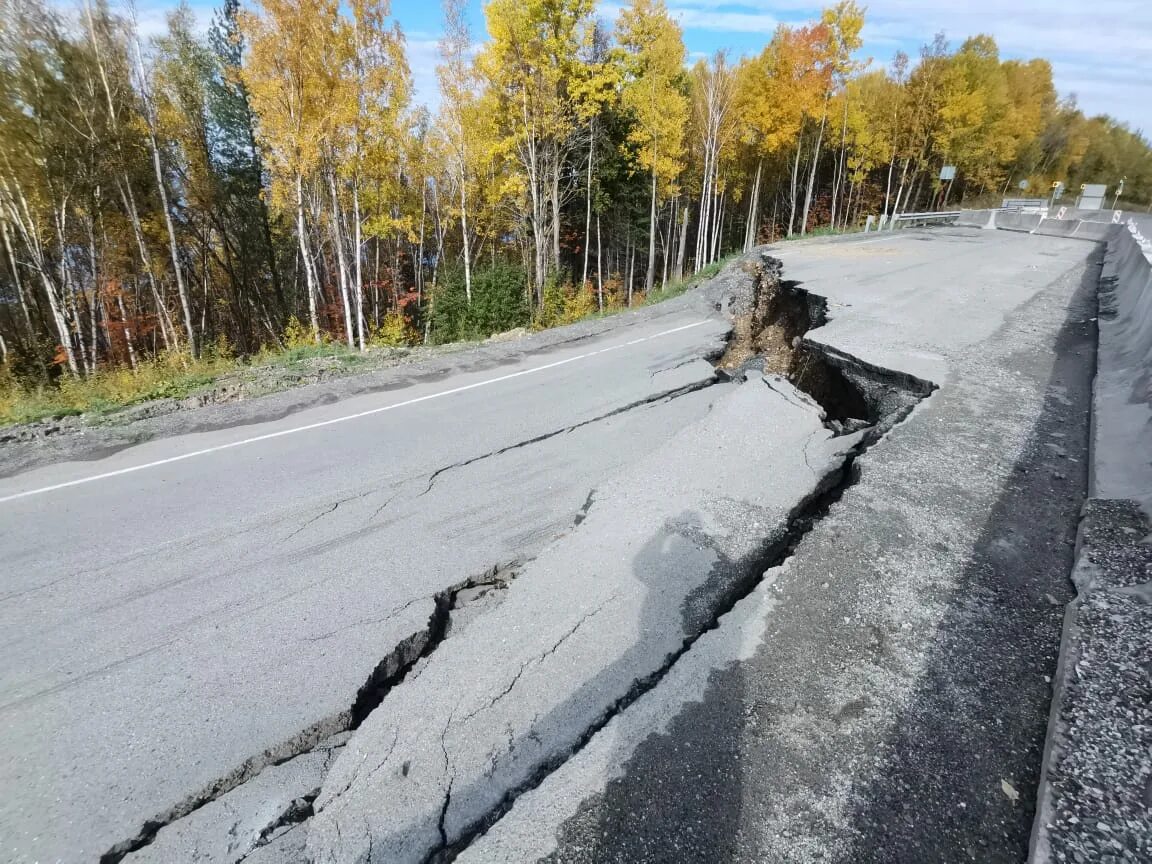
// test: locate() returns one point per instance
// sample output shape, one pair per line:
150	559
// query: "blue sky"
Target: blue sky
1100	51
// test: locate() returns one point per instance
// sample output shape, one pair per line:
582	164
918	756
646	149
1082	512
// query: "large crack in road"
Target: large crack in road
480	767
451	606
851	398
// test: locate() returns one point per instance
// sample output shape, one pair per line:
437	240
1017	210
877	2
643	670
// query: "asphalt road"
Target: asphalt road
198	607
883	695
194	608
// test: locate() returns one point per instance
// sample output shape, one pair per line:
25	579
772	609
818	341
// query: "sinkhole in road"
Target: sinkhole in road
769	334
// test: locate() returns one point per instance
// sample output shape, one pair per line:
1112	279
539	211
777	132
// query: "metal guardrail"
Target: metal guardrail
913	219
1026	204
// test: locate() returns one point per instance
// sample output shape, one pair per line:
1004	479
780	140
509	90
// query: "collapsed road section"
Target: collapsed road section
601	616
882	695
753	536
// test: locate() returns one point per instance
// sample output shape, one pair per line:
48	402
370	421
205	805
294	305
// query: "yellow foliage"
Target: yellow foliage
565	304
297	335
579	303
394	331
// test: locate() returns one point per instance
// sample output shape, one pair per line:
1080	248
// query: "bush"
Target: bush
580	303
499	303
395	330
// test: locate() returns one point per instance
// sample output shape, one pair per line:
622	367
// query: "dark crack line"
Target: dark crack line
315	518
540	658
666	395
389	673
335	506
376	513
682	363
447	802
582	513
789	398
298	811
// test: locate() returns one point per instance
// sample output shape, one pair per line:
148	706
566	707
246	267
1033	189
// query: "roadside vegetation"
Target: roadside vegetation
177	374
267	191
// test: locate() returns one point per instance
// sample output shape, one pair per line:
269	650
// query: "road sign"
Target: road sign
1092	196
1023	185
948	172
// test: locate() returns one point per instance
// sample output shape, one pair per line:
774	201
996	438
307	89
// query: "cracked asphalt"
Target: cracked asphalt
169	630
269	568
883	695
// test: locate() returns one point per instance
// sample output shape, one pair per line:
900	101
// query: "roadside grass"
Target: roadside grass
176	374
682	286
170	375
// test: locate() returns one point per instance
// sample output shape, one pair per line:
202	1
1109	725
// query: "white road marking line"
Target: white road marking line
332	422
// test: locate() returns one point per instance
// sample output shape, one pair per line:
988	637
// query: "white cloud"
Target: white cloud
423	55
1102	52
725	22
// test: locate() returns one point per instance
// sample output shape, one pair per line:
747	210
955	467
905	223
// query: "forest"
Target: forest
266	181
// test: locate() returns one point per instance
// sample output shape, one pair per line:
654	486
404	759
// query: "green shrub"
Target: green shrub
499	303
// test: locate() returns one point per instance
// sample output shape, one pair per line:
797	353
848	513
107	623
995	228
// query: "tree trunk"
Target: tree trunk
599	267
751	230
839	179
127	331
683	250
306	260
181	288
555	196
341	260
167	331
357	247
705	217
717	231
464	233
161	188
888	187
588	202
649	277
812	173
795	181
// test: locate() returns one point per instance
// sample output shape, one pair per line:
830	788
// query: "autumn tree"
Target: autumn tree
529	64
653	94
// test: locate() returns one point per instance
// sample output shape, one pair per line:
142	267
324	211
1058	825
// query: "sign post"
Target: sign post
947	174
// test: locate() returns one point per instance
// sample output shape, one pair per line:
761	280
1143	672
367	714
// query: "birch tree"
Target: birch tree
653	93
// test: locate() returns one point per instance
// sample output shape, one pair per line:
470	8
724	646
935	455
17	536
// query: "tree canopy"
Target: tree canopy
272	179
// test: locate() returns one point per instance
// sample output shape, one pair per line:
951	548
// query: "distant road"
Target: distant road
186	607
